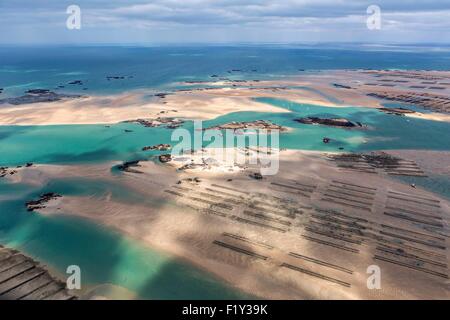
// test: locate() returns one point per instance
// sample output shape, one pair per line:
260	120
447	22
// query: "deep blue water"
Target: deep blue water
157	67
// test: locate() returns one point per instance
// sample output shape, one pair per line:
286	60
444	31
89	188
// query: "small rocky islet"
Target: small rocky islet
128	166
43	199
397	111
165	158
45	95
332	122
76	82
5	170
341	86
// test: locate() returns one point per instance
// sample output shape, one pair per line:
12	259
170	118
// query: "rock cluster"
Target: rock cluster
334	122
37	95
165	158
5	170
40	203
161	95
430	101
256	176
109	78
397	111
169	123
257	124
77	82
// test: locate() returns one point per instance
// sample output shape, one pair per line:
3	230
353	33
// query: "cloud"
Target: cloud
224	20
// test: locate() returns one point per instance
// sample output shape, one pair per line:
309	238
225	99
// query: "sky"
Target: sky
223	21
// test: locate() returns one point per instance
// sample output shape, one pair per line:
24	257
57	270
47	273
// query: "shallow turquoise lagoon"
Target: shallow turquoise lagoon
97	143
384	131
104	256
439	184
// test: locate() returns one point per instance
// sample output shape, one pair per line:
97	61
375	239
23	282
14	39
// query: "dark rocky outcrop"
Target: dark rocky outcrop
165	158
397	111
341	86
257	124
115	78
128	165
76	82
161	95
256	176
3	171
40	203
38	95
27	279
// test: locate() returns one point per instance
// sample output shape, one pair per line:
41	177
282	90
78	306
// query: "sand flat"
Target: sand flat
309	233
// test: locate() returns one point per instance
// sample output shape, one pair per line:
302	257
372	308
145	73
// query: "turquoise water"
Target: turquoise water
384	131
23	68
104	255
439	184
76	143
